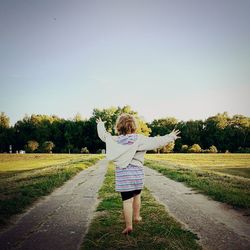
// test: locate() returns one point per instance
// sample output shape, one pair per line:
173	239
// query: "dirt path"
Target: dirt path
217	225
60	220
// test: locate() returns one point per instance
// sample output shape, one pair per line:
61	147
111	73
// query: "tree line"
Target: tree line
44	133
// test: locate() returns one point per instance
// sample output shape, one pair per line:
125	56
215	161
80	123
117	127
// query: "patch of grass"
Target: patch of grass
19	189
233	164
158	230
230	189
244	172
23	162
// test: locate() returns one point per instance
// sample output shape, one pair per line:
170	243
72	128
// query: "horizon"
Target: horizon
164	59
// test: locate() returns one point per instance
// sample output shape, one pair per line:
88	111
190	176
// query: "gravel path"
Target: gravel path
60	220
217	225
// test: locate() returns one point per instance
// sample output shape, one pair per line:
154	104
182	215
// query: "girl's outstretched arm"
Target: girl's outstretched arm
151	143
101	130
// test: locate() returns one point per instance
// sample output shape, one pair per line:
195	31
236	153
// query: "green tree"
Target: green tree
191	132
69	130
7	136
111	114
4	121
217	130
225	133
163	126
47	146
34	127
31	146
142	127
239	132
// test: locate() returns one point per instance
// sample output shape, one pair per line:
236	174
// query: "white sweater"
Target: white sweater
123	155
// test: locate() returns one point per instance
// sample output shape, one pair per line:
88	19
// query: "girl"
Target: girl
127	151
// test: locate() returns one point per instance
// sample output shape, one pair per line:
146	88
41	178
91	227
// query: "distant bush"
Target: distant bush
168	148
205	151
99	151
213	149
243	150
31	146
47	146
184	148
84	150
194	149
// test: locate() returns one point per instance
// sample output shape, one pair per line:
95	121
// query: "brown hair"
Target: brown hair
125	124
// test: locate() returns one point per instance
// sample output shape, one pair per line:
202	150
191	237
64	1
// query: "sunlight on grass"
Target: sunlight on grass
15	162
235	164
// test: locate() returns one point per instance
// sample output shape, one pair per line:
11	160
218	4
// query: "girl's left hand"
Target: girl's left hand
98	120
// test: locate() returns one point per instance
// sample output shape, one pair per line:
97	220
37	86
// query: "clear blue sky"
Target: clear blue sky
189	59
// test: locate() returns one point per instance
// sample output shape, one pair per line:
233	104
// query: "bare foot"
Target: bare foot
127	230
136	220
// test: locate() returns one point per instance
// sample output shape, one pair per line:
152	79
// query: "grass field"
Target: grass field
25	178
233	164
158	230
223	177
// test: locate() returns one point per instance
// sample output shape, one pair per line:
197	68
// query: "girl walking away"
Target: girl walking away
127	151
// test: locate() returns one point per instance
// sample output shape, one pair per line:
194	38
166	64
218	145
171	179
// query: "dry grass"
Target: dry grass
234	164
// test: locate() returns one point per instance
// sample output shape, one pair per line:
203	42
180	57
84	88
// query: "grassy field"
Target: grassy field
233	164
158	230
223	177
25	178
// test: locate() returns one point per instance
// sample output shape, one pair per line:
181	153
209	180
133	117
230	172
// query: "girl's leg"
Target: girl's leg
128	213
137	207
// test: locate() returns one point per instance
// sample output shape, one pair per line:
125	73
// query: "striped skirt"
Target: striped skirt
129	178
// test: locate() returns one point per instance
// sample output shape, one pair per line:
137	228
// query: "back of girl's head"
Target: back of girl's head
125	124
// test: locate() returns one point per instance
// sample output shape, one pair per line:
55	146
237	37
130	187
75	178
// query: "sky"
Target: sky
188	59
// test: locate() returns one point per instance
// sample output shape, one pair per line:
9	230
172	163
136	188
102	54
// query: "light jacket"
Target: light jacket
123	155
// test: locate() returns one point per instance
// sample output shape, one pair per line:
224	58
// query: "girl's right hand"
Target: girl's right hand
175	133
